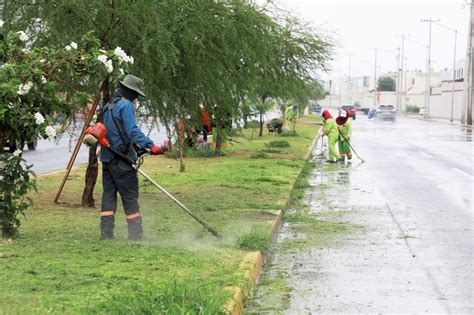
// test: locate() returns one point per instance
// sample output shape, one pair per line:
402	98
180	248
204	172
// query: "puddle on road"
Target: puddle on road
318	223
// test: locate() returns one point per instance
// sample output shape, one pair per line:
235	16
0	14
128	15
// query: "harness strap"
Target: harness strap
110	106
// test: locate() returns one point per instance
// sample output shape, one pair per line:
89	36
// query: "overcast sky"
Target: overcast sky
361	25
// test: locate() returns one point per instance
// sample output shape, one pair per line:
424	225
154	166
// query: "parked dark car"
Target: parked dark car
350	110
386	112
11	147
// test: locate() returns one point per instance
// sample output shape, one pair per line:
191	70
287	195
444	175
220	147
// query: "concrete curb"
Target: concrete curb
252	264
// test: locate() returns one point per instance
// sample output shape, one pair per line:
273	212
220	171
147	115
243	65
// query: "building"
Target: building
409	96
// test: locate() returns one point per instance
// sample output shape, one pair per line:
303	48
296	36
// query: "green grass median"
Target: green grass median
58	264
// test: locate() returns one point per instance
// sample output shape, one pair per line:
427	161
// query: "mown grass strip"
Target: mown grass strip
58	265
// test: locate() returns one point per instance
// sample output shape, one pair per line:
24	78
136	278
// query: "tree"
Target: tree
192	51
296	53
386	84
36	84
116	24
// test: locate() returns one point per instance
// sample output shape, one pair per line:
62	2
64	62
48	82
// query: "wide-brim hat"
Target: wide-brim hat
133	83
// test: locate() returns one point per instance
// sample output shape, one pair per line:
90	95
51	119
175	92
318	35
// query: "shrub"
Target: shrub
16	180
412	109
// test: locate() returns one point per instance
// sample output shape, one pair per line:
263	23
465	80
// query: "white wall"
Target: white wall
440	102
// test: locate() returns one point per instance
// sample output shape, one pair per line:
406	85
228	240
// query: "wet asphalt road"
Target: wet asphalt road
413	252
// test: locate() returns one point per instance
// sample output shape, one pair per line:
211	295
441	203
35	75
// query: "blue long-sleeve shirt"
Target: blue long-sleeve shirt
124	114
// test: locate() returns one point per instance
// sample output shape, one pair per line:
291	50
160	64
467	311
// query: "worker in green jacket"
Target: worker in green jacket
291	113
331	131
345	134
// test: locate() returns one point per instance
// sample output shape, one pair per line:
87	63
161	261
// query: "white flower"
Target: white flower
131	60
121	71
73	45
1	23
24	88
39	118
68	48
50	132
109	66
121	55
17	152
42	60
43	79
102	58
25	50
23	36
10	105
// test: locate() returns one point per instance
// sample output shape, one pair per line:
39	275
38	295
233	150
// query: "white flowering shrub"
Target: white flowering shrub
37	83
16	179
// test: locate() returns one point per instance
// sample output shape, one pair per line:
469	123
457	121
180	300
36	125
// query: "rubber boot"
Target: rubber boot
135	229
107	228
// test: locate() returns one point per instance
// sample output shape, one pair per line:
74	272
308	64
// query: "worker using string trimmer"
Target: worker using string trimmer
117	176
331	131
345	134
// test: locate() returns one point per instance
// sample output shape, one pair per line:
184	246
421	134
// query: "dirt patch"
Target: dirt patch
241	153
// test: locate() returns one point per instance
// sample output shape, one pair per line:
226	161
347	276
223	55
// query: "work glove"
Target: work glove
157	150
166	146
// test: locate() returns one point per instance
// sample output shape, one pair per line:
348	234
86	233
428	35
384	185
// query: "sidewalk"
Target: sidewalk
438	120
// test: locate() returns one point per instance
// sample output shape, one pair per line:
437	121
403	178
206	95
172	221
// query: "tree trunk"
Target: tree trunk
260	134
180	130
218	140
93	167
91	178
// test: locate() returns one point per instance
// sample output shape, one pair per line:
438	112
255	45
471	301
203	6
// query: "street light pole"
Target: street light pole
375	80
454	66
468	89
454	75
426	47
405	88
428	83
402	74
399	81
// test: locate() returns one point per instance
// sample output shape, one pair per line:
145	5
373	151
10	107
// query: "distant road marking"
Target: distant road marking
462	172
425	154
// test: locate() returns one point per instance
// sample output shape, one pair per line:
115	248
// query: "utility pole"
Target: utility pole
401	72
375	79
405	88
471	66
454	66
426	85
428	75
399	83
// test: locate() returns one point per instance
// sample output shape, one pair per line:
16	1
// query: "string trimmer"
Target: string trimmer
96	134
